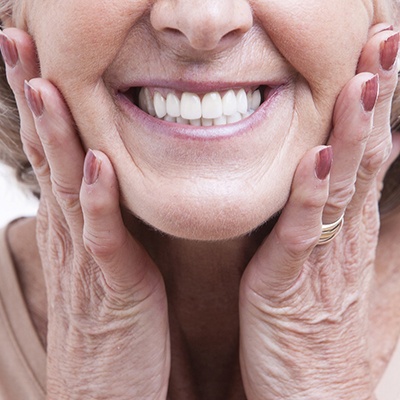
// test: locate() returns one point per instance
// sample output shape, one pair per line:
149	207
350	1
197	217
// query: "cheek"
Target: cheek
322	39
80	35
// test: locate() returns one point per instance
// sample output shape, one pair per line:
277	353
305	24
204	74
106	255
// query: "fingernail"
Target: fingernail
386	28
323	162
388	51
8	50
34	100
369	94
91	168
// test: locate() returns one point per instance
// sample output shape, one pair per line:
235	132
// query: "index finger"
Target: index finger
21	62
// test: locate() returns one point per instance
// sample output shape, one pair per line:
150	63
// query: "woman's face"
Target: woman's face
201	182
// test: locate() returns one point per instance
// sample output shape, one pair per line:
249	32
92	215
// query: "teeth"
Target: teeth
256	100
159	105
206	122
229	103
182	121
190	106
169	118
221	120
241	99
190	109
173	105
211	105
234	118
195	122
146	103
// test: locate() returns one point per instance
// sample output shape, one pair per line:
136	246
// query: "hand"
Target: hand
304	308
108	335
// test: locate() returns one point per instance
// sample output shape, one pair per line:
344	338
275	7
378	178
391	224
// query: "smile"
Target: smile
194	109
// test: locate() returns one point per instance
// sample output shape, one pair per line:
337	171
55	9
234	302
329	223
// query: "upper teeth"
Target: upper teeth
188	108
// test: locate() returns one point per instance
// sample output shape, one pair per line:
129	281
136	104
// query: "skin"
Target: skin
284	294
233	177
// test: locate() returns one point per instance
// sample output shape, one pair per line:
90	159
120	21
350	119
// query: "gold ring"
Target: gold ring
329	231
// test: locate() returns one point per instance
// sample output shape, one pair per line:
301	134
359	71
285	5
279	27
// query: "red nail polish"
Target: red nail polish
323	163
34	100
388	51
369	93
8	50
91	168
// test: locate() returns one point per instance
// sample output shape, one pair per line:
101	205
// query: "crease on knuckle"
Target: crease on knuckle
33	150
340	197
297	243
66	197
375	158
95	205
40	166
60	246
103	245
50	140
313	202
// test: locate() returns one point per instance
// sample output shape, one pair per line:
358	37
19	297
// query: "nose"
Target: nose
203	25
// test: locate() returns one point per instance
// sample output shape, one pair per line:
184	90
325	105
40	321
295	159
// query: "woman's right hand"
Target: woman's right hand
108	334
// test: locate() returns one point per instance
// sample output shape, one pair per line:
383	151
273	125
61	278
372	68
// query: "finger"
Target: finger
379	56
382	26
278	262
21	64
352	124
124	263
62	148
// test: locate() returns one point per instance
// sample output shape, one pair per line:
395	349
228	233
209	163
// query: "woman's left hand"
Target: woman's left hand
303	306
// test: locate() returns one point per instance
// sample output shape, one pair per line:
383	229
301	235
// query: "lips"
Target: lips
214	108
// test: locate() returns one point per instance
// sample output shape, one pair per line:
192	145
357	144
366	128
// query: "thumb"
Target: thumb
278	262
125	264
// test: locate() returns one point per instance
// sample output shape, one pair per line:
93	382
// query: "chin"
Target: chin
207	219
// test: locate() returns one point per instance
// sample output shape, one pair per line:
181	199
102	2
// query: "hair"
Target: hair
390	199
12	154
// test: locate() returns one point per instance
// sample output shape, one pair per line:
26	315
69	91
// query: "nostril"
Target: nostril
173	31
232	36
203	25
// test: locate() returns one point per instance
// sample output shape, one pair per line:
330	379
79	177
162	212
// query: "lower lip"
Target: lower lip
200	132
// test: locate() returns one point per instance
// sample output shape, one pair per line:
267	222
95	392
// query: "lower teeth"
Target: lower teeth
223	120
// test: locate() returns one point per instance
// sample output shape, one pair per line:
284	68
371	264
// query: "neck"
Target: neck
202	281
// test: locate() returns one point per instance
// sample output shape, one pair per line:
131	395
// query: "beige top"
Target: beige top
389	386
23	358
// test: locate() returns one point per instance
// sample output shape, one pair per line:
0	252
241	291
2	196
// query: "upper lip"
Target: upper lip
197	86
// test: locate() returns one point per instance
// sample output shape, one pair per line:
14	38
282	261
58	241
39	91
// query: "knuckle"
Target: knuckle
32	148
53	234
60	247
313	203
50	141
95	205
101	245
66	197
298	242
14	80
40	165
340	196
375	158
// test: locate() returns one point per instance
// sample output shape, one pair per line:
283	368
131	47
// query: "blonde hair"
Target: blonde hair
11	152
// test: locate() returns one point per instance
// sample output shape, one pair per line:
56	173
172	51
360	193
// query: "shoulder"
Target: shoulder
385	296
21	239
23	358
